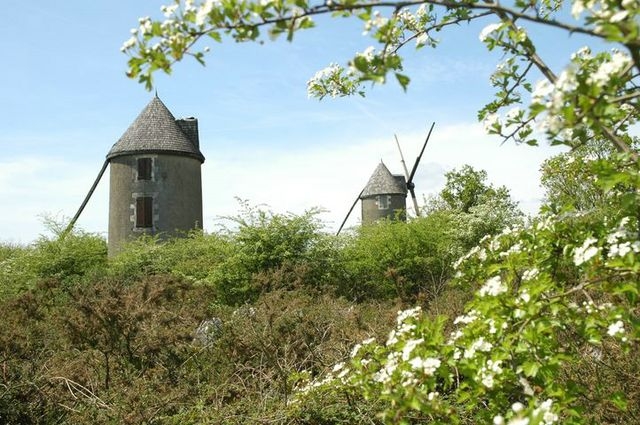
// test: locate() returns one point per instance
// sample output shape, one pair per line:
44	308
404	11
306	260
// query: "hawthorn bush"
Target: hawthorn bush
68	258
551	300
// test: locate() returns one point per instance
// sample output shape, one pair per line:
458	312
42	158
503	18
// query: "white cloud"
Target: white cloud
332	178
286	180
36	186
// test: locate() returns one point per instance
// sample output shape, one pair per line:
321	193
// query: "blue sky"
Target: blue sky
65	100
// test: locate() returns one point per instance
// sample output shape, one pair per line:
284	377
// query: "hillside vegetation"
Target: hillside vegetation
264	320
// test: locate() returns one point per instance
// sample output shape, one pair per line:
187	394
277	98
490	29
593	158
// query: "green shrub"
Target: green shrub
74	254
396	259
264	242
65	257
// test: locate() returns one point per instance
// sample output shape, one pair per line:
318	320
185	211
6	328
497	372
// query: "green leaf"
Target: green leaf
619	399
215	35
403	80
361	64
530	368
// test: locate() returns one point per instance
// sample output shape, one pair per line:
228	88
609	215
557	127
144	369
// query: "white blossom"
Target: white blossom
530	274
408	379
384	374
405	328
566	83
524	295
620	250
466	318
585	252
517	407
392	338
428	366
422	11
422	39
616	328
168	11
582	53
454	336
355	349
344	372
492	326
407	18
409	313
512	250
577	8
490	121
409	346
377	21
493	287
486	31
542	89
548	417
368	53
487	380
145	25
128	44
326	77
494	245
204	11
478	345
609	68
489	371
526	387
619	16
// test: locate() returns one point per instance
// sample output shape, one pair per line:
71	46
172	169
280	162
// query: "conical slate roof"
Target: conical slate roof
382	182
155	131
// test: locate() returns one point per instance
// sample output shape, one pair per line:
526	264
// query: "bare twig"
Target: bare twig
82	391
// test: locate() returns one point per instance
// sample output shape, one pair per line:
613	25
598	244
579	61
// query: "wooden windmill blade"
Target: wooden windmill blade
86	200
410	185
406	174
349	213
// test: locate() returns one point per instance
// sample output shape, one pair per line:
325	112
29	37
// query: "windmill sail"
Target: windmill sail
410	185
86	199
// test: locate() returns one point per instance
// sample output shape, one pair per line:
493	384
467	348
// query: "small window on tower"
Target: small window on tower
383	202
144	168
144	212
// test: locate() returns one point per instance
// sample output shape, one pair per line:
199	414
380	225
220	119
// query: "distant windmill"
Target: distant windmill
385	194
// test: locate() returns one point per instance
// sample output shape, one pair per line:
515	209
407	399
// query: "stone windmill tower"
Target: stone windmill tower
155	180
384	196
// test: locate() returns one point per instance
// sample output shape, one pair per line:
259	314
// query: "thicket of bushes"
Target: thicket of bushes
223	327
218	327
